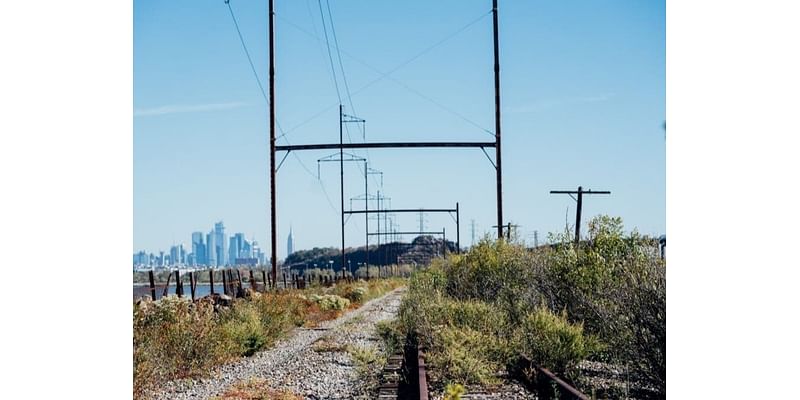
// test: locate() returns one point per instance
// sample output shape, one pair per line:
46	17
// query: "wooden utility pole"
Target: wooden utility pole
498	166
580	194
272	140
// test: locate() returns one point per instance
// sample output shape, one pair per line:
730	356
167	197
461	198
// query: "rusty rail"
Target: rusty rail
565	389
422	375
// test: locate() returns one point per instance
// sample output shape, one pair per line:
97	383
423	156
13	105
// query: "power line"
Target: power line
386	75
264	95
330	57
341	67
247	53
339	56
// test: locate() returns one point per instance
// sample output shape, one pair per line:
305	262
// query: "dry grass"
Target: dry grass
256	389
326	344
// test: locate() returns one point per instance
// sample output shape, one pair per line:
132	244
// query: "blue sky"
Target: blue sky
583	102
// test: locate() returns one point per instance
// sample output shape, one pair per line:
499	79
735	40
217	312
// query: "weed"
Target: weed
364	357
327	344
454	391
553	342
256	389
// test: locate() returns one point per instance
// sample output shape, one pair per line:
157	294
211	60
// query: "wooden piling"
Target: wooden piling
178	284
152	284
211	279
166	288
193	283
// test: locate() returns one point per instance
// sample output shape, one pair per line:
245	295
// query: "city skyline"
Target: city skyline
214	248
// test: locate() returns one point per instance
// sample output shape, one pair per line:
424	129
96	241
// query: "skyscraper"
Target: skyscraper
211	252
290	243
199	248
247	250
174	255
236	248
220	244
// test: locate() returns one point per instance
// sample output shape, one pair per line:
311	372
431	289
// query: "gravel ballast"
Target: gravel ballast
294	364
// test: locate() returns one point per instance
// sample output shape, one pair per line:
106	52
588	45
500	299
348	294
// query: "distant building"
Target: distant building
174	255
247	261
247	250
236	248
211	257
198	249
257	254
220	244
290	243
141	259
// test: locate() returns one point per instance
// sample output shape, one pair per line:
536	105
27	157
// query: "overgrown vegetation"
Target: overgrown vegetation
256	389
176	338
479	312
364	358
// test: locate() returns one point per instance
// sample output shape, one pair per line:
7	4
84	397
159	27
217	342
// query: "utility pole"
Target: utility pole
498	167
508	227
273	225
579	200
535	238
341	183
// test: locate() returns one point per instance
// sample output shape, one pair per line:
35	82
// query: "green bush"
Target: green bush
466	355
356	295
554	343
328	302
615	284
454	391
497	272
243	326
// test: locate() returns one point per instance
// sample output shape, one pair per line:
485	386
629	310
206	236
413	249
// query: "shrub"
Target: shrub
243	326
330	302
616	286
496	272
610	290
465	355
356	295
280	312
554	343
174	338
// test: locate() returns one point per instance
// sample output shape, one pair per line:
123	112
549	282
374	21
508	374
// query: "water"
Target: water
202	289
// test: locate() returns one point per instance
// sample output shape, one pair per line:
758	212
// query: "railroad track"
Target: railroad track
405	377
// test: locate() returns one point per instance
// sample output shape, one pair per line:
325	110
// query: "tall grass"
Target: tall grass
176	338
480	311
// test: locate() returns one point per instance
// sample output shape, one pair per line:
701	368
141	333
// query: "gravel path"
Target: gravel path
297	364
